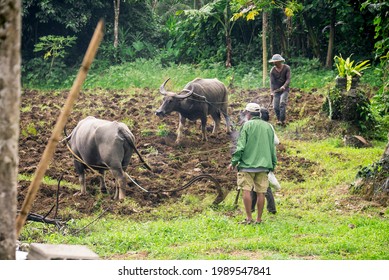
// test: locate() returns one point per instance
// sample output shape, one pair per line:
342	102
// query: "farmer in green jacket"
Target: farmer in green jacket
254	157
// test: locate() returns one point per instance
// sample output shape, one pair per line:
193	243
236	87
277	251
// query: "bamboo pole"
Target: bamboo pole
59	126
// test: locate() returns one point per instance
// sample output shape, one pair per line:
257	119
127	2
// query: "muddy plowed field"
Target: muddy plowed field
173	165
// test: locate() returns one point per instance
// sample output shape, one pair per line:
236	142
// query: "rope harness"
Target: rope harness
220	194
210	103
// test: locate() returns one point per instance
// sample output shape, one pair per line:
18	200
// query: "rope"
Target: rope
187	185
83	162
218	199
220	194
98	217
210	103
106	168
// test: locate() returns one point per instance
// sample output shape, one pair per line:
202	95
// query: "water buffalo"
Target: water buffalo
102	145
199	98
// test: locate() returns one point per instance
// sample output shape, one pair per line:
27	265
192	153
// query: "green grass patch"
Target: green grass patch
149	73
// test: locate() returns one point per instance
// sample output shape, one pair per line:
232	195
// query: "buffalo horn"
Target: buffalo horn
164	92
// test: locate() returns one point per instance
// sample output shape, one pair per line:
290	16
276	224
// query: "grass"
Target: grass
316	219
149	73
144	73
46	180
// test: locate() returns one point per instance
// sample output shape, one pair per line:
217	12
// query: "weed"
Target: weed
163	130
29	130
146	132
25	109
129	122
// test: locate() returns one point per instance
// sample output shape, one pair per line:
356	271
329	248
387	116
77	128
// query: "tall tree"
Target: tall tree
116	7
331	40
10	14
264	47
333	6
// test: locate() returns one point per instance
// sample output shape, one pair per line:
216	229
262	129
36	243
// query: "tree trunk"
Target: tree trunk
227	30
312	38
10	14
116	5
264	48
386	152
285	37
197	4
331	40
229	51
272	41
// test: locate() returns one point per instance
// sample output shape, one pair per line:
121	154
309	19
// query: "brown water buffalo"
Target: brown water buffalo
198	99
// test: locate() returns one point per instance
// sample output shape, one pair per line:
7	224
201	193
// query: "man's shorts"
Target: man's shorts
253	181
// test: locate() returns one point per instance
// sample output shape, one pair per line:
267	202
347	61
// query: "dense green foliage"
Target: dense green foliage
147	27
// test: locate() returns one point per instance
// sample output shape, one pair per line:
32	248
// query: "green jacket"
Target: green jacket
255	147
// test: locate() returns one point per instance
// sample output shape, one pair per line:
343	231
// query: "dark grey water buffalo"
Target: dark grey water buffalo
102	145
199	98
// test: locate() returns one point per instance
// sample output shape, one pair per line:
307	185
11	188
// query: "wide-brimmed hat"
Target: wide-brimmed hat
253	107
276	57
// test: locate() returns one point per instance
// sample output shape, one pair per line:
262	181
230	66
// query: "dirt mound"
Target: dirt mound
173	165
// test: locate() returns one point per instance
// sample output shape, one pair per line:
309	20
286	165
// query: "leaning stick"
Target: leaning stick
59	126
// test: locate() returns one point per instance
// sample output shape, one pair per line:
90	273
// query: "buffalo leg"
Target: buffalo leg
116	195
204	127
228	122
180	128
120	184
80	169
103	187
216	120
81	177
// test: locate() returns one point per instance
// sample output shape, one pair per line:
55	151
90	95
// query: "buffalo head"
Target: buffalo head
171	100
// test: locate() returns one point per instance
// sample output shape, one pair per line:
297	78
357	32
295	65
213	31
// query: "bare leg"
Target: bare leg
260	205
247	204
270	202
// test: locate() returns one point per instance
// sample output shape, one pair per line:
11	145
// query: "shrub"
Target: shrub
347	69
